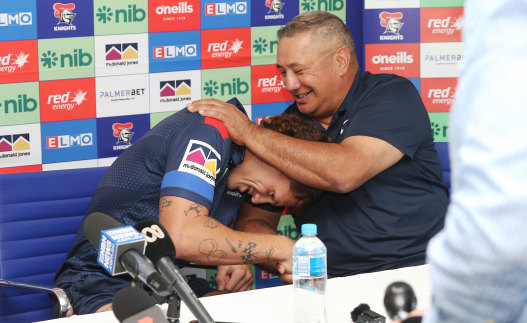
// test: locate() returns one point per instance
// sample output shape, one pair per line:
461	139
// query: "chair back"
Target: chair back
40	213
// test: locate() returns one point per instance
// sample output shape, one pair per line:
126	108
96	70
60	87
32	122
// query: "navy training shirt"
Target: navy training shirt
185	155
387	222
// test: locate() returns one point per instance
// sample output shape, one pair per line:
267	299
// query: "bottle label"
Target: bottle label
309	266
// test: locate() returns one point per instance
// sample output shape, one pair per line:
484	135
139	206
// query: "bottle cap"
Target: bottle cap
309	228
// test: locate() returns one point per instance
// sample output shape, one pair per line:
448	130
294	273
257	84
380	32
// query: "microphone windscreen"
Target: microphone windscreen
96	222
129	301
358	311
158	241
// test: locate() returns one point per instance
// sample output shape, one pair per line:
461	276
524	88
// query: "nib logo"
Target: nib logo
324	5
23	103
262	46
66	101
78	58
237	86
223	49
211	88
11	62
132	13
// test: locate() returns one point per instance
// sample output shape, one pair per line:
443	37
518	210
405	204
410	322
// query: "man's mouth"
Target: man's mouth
301	96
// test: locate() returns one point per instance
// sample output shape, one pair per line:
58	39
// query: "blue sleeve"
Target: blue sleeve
195	157
393	111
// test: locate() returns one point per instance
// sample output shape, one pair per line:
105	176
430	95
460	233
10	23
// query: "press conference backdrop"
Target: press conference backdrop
82	80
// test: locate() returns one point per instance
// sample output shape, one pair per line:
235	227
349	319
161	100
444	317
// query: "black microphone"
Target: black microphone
134	305
363	314
399	300
120	249
161	251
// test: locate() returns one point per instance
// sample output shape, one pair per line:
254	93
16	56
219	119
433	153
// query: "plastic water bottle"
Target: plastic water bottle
309	276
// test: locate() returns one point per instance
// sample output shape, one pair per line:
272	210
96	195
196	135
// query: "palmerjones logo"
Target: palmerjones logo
201	160
132	13
64	12
122	54
11	62
175	91
16	145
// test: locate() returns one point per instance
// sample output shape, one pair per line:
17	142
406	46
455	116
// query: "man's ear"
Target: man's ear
343	59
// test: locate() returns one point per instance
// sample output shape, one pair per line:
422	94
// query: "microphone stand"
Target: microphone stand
174	308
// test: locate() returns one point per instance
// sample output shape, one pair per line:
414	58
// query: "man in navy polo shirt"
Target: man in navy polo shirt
385	195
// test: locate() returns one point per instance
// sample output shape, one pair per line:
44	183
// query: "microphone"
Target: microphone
363	314
399	300
121	249
134	305
161	251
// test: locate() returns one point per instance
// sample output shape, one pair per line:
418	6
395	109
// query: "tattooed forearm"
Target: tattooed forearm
194	210
249	253
269	253
231	246
209	248
164	203
210	223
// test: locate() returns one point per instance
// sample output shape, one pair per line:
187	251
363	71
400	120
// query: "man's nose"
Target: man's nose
291	82
260	199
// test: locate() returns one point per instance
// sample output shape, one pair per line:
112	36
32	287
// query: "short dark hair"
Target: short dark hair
323	24
296	126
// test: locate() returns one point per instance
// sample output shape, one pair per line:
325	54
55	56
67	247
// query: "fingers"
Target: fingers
240	281
234	278
222	277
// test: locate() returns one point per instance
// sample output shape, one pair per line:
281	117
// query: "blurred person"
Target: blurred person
478	263
187	173
385	196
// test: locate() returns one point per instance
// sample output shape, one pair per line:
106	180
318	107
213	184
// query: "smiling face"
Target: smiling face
264	183
309	73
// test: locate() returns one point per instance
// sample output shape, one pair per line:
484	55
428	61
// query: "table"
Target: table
276	304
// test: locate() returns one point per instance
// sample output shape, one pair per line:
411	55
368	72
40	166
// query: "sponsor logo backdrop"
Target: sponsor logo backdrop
82	80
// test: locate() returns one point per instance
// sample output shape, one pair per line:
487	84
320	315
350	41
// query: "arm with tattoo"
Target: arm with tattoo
199	238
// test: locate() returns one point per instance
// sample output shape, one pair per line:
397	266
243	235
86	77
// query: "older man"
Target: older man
386	197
